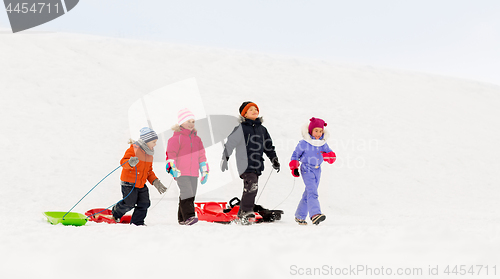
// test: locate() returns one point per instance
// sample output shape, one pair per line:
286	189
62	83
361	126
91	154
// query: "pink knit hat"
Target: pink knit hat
184	115
316	123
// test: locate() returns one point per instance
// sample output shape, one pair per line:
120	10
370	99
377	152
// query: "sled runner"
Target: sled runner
106	216
225	213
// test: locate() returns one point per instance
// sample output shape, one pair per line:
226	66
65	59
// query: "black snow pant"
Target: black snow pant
137	200
187	186
250	188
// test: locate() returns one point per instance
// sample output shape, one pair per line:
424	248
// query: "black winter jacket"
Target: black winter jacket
251	140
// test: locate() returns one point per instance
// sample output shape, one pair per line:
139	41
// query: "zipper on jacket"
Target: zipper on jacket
191	142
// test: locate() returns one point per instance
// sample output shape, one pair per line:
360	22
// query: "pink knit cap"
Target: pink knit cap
184	115
316	123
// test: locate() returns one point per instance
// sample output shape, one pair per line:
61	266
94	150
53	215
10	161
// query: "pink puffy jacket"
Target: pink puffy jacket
187	151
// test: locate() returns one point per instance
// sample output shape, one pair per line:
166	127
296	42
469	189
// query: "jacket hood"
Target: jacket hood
307	137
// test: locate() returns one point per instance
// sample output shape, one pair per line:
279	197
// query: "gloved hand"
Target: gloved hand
223	163
171	169
204	169
294	166
133	161
159	186
276	164
329	157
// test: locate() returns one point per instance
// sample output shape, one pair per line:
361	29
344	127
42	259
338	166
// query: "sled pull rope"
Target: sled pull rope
293	186
133	187
164	194
96	186
264	187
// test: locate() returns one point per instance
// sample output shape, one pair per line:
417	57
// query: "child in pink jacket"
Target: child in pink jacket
185	159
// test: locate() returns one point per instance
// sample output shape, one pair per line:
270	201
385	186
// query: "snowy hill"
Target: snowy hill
415	183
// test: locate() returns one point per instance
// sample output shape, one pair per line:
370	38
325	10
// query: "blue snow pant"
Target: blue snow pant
137	200
309	202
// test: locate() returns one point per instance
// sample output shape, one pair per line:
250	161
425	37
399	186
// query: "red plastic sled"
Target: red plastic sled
214	212
106	216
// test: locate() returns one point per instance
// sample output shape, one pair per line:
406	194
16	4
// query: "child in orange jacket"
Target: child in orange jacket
135	172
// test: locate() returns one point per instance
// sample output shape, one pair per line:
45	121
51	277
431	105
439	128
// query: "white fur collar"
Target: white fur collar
314	142
177	128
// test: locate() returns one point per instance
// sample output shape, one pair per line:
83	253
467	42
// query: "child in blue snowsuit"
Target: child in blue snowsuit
311	152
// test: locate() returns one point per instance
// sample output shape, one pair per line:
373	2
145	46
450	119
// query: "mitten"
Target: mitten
294	166
329	157
133	161
159	186
204	172
171	169
223	163
276	164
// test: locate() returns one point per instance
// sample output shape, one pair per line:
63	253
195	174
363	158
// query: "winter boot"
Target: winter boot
117	220
180	219
300	221
318	218
186	212
245	217
191	221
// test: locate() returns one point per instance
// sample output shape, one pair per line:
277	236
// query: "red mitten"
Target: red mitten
294	166
329	157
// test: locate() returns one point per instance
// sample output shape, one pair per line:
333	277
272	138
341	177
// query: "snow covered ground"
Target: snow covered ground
415	185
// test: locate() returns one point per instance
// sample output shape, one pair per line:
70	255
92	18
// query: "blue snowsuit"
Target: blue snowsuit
310	157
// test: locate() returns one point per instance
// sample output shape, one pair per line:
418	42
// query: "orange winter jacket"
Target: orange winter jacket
144	167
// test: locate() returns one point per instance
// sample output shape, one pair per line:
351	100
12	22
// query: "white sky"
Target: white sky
450	37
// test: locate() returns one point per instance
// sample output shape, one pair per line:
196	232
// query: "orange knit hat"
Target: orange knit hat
245	106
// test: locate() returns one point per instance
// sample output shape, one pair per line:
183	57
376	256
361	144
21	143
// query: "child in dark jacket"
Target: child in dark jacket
251	140
311	152
138	170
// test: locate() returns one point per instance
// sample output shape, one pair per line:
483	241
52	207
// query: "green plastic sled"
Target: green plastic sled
71	219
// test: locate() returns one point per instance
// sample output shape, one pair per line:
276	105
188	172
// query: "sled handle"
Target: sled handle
236	203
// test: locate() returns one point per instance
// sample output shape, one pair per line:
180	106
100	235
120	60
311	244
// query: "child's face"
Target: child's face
151	144
317	133
252	113
188	124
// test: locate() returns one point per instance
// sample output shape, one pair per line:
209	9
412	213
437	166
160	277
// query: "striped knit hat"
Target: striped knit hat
148	135
184	115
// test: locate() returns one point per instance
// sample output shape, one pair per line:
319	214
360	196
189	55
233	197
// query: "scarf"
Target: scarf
145	147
